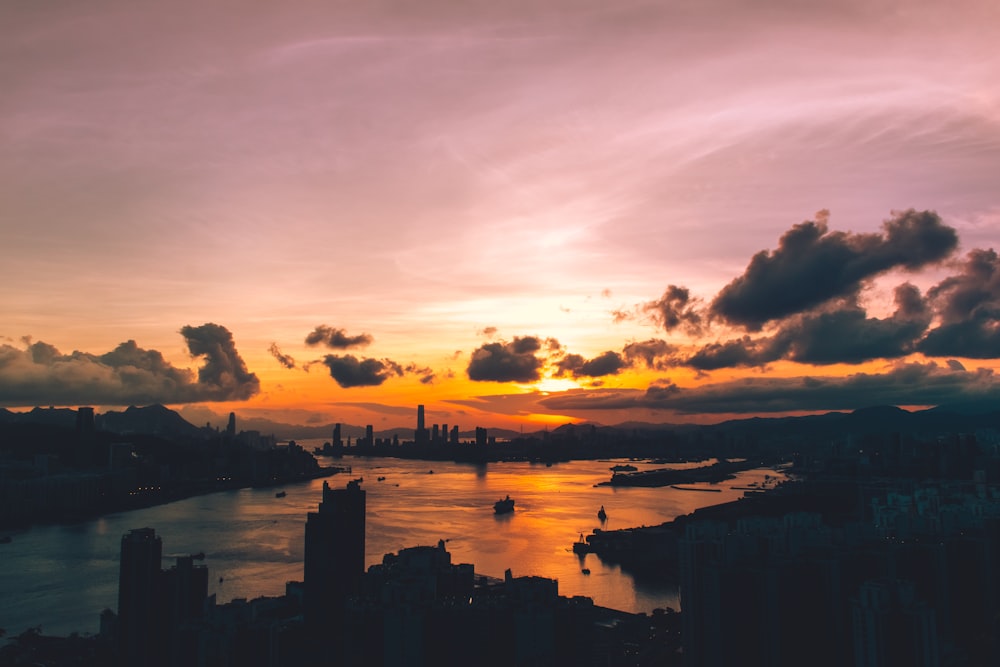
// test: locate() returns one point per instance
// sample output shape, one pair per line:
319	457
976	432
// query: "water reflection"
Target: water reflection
60	577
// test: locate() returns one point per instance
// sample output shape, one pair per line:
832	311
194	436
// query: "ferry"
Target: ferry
504	505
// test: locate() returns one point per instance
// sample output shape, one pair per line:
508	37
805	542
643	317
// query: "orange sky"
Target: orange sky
660	213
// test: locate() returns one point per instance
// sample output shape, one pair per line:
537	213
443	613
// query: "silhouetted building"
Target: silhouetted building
421	434
369	435
139	622
85	422
231	426
338	440
893	627
334	552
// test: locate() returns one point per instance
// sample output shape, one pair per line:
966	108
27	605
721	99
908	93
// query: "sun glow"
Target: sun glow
555	384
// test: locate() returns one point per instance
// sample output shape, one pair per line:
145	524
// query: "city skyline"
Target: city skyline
520	215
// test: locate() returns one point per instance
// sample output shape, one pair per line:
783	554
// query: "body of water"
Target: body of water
60	577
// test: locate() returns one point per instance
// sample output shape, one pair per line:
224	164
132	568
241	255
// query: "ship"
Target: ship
504	505
601	514
581	547
280	494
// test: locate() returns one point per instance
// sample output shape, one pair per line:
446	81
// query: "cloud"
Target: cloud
968	305
427	375
349	371
283	359
337	338
127	375
489	332
654	353
516	361
904	384
607	363
813	266
844	334
674	309
224	369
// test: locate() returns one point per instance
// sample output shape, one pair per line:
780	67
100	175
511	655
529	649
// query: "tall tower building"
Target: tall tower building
139	608
421	434
231	426
334	553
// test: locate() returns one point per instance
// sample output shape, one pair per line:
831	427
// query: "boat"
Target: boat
585	570
601	514
581	546
380	479
280	494
623	468
504	505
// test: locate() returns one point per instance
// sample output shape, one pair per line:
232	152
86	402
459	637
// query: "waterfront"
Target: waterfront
61	576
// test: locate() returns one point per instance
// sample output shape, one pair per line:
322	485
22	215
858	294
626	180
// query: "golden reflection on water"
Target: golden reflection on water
60	577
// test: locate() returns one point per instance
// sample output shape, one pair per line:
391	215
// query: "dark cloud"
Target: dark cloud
128	375
905	384
848	335
487	331
607	363
349	371
283	359
840	335
516	361
654	353
675	309
813	266
729	354
968	305
426	374
337	338
224	369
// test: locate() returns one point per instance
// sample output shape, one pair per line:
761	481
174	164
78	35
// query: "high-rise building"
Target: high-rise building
338	441
231	426
421	434
334	552
139	608
369	435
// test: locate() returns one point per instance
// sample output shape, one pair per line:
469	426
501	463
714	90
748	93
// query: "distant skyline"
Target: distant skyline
518	213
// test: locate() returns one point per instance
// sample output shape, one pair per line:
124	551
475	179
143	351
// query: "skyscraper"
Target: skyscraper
334	552
138	598
421	433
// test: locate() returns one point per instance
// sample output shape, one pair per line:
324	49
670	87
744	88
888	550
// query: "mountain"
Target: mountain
153	420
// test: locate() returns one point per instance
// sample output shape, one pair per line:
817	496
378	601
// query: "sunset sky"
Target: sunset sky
510	212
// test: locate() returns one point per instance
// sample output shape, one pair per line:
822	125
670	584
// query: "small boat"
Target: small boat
601	514
380	479
582	546
585	570
280	494
504	505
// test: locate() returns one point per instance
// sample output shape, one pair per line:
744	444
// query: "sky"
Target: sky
514	213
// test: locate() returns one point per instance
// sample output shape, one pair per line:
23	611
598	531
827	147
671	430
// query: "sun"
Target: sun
549	384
